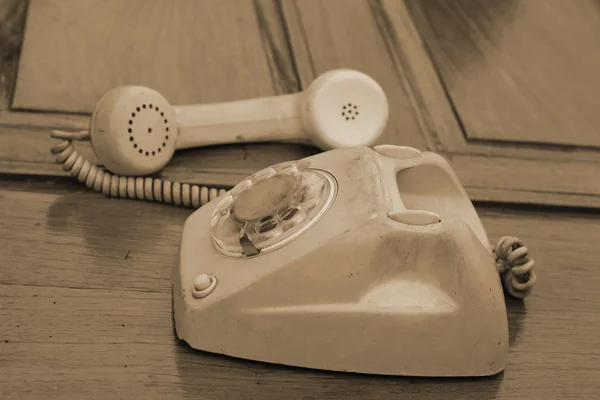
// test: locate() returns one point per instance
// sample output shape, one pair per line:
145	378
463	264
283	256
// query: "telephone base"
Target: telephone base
372	288
390	318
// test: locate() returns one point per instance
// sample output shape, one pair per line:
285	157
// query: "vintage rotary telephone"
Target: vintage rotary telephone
354	259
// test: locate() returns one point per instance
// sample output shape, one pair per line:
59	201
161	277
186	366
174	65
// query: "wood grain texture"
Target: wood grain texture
12	26
540	181
278	51
519	70
190	51
12	15
85	295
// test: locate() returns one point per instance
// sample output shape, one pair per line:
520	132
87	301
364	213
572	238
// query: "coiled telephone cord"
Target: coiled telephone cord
515	266
126	187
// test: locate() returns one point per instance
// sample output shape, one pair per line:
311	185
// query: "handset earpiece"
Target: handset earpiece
135	131
344	108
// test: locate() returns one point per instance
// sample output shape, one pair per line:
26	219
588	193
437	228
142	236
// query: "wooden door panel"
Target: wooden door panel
191	51
527	131
519	70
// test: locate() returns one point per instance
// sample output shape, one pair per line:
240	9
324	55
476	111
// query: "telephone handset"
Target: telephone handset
354	259
134	131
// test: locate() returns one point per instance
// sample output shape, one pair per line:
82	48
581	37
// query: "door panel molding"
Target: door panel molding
412	14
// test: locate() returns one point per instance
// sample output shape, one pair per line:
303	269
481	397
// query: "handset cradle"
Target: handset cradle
362	281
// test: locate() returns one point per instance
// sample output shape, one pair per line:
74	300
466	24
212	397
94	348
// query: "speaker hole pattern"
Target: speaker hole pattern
131	132
350	111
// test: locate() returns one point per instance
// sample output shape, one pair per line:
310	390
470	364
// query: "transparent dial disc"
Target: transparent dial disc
271	208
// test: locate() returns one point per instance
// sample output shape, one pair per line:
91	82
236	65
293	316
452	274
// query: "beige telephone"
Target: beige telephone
370	260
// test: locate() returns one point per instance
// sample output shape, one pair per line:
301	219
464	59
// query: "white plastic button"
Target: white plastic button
415	217
202	282
203	285
399	152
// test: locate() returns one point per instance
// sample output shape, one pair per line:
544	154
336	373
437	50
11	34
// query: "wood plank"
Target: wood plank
73	253
278	51
61	320
67	65
528	197
61	316
518	71
574	183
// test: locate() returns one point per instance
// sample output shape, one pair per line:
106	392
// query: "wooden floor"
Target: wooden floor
85	294
85	281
